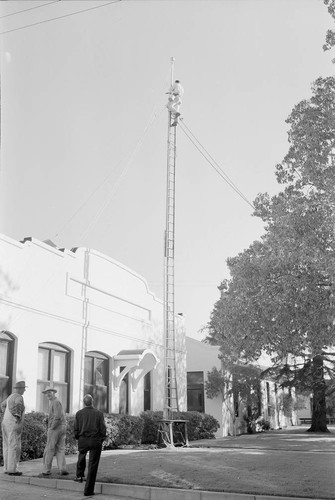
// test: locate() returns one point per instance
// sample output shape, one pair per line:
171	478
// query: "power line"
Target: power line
213	163
31	8
59	17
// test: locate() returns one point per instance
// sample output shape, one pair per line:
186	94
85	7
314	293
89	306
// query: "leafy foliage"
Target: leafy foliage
280	296
330	36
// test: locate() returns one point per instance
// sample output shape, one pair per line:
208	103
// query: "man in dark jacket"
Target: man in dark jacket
90	430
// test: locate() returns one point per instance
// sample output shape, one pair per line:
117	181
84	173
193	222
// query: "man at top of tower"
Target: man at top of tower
177	89
174	103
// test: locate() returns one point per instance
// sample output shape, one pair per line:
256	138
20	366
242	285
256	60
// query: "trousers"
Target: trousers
11	443
55	446
94	447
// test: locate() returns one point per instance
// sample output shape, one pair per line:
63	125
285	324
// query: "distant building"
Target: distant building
229	410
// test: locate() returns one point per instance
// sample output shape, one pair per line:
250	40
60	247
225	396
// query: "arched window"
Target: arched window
54	370
6	364
96	379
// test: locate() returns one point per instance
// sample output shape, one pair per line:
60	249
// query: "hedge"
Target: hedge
122	430
199	425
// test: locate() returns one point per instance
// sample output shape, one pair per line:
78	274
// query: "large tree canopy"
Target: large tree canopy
280	298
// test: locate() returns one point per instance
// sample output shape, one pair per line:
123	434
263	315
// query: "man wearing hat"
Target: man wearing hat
12	425
56	434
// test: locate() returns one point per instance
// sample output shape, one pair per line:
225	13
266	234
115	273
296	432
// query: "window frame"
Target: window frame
6	379
93	356
196	388
51	348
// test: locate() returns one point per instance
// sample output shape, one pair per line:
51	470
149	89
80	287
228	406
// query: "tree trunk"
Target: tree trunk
319	416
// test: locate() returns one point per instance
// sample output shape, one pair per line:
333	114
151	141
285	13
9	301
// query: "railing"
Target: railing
308	420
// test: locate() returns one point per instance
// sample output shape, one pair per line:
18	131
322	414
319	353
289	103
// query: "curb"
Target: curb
143	492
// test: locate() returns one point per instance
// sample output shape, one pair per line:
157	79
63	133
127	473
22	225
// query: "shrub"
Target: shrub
71	444
122	430
34	436
199	425
150	426
258	424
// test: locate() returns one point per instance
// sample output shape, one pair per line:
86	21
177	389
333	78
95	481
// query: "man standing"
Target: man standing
12	425
90	430
56	434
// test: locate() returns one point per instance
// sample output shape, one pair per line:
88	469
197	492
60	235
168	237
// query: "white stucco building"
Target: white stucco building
82	322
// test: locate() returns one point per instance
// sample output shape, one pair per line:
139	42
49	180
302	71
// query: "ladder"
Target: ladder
171	393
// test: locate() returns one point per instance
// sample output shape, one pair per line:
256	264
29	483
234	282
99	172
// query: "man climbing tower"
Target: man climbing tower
176	92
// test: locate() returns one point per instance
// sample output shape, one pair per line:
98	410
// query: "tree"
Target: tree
330	36
280	296
240	383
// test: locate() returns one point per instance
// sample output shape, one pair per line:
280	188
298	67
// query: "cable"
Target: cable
221	171
31	8
59	17
213	163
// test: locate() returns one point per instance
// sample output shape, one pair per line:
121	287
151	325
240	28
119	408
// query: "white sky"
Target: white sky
84	126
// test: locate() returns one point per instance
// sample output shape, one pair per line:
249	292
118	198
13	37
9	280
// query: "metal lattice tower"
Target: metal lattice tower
171	392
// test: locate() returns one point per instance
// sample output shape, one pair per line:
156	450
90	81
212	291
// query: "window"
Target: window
195	391
147	392
53	369
124	394
6	364
96	379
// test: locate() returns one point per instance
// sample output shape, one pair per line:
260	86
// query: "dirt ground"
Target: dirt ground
289	462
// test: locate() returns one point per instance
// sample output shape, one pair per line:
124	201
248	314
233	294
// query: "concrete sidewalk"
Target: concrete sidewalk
292	440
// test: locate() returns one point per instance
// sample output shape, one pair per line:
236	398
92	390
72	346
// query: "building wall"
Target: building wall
84	301
203	357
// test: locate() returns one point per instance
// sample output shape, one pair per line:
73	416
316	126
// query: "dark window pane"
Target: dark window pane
195	391
195	400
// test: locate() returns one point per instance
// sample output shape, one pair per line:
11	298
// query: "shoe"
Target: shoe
17	473
64	473
174	124
89	494
79	479
46	473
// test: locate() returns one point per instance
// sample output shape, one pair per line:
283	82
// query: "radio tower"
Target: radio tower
171	402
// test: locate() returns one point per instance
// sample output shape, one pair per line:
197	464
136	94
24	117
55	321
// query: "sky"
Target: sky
84	126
